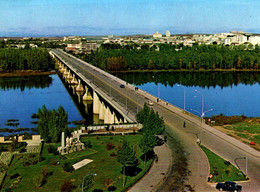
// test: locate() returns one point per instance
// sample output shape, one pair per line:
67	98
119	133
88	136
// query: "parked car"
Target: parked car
229	186
122	86
150	103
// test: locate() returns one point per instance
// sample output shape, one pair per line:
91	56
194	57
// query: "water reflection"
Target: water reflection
41	81
23	96
229	93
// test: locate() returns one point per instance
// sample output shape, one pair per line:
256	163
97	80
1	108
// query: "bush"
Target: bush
67	186
67	166
53	161
51	149
88	144
110	146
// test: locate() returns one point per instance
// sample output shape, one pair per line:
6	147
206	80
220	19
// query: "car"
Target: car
229	186
150	103
122	86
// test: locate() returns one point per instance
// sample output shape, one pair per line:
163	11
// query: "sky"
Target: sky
126	17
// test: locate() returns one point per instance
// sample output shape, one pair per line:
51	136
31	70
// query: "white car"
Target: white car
150	103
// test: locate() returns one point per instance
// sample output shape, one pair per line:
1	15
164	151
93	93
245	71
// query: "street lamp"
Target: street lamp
202	100
184	96
201	114
82	186
158	94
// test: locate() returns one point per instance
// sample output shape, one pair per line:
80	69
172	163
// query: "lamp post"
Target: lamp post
202	101
184	96
201	114
82	186
158	92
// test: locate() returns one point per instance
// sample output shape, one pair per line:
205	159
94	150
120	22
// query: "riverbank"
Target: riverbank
186	70
23	73
244	129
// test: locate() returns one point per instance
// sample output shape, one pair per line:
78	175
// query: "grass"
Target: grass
222	170
104	164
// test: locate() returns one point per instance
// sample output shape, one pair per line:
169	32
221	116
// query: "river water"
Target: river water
229	93
20	97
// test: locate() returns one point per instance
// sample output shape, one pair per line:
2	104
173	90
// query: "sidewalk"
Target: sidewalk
158	172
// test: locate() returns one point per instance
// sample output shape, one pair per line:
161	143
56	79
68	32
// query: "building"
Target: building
157	35
167	33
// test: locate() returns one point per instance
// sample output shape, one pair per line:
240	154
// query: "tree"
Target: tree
148	142
126	155
52	123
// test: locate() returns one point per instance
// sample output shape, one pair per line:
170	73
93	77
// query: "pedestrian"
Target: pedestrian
184	125
165	138
156	158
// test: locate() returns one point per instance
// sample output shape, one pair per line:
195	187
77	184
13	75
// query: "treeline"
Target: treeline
192	78
21	83
115	57
25	59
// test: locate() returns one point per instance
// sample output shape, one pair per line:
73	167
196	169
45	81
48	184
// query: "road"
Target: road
221	144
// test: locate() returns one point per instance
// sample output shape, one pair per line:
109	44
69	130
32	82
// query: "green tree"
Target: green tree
148	142
126	155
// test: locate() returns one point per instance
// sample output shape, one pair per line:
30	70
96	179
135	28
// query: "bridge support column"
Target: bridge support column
74	81
102	111
96	103
79	87
106	114
66	72
87	96
115	119
69	77
62	69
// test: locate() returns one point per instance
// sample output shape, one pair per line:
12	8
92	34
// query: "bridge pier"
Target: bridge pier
79	87
74	80
96	103
102	111
87	96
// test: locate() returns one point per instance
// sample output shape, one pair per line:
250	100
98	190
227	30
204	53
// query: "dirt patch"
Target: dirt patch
233	133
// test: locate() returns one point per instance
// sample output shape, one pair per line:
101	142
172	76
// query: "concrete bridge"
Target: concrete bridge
90	84
105	90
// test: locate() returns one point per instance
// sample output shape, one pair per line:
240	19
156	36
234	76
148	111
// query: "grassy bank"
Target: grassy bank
104	164
245	129
222	170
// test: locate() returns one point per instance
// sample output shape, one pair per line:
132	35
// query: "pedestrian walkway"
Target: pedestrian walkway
158	172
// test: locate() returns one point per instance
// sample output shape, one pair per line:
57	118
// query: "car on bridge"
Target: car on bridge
122	86
229	186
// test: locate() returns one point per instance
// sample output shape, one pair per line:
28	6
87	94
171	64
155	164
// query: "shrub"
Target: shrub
53	161
110	146
67	186
51	149
88	144
108	182
67	166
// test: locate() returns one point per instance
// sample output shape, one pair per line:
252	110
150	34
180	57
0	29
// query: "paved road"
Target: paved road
221	144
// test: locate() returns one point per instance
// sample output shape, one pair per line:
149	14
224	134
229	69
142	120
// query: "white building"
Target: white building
157	35
254	40
167	33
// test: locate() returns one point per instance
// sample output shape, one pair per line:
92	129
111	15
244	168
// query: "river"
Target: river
20	97
227	93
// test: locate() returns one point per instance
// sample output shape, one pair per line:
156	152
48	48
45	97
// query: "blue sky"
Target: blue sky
118	17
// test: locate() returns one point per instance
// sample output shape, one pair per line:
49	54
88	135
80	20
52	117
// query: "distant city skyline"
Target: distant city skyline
117	17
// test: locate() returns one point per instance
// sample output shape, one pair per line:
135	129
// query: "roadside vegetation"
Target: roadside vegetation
114	57
222	170
245	129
